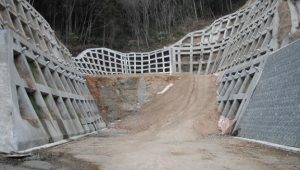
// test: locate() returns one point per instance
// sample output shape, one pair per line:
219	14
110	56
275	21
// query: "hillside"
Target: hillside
129	25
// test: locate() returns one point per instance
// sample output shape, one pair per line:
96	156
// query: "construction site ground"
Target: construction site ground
175	130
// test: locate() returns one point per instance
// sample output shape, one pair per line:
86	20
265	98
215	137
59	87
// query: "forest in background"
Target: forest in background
129	25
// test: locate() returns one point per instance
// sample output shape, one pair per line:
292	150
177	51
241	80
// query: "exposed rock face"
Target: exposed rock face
119	96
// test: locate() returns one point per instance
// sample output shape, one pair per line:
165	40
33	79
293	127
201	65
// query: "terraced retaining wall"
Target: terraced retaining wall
273	112
44	98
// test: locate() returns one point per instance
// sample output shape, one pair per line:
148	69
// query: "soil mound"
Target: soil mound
187	109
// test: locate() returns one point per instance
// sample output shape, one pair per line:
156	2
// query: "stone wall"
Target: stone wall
273	113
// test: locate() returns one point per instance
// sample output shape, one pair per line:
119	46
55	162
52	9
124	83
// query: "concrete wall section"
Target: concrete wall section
103	61
42	100
23	19
6	105
236	87
273	113
237	38
231	40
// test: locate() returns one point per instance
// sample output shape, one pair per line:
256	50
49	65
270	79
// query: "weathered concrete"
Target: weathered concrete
43	98
6	105
34	110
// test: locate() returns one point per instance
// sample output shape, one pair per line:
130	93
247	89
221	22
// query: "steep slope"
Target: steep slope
188	108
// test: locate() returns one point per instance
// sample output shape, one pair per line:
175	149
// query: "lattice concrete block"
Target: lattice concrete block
42	100
229	41
236	87
23	19
238	38
104	61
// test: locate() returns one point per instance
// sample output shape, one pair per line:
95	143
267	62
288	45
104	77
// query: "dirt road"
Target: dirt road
176	131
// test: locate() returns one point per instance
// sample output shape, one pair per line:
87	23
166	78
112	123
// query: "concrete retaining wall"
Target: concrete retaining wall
41	99
236	87
44	97
237	38
273	113
103	61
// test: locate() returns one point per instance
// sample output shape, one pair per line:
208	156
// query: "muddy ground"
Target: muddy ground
116	150
119	151
176	130
45	160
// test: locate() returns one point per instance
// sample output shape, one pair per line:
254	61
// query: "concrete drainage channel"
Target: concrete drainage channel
272	145
42	159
